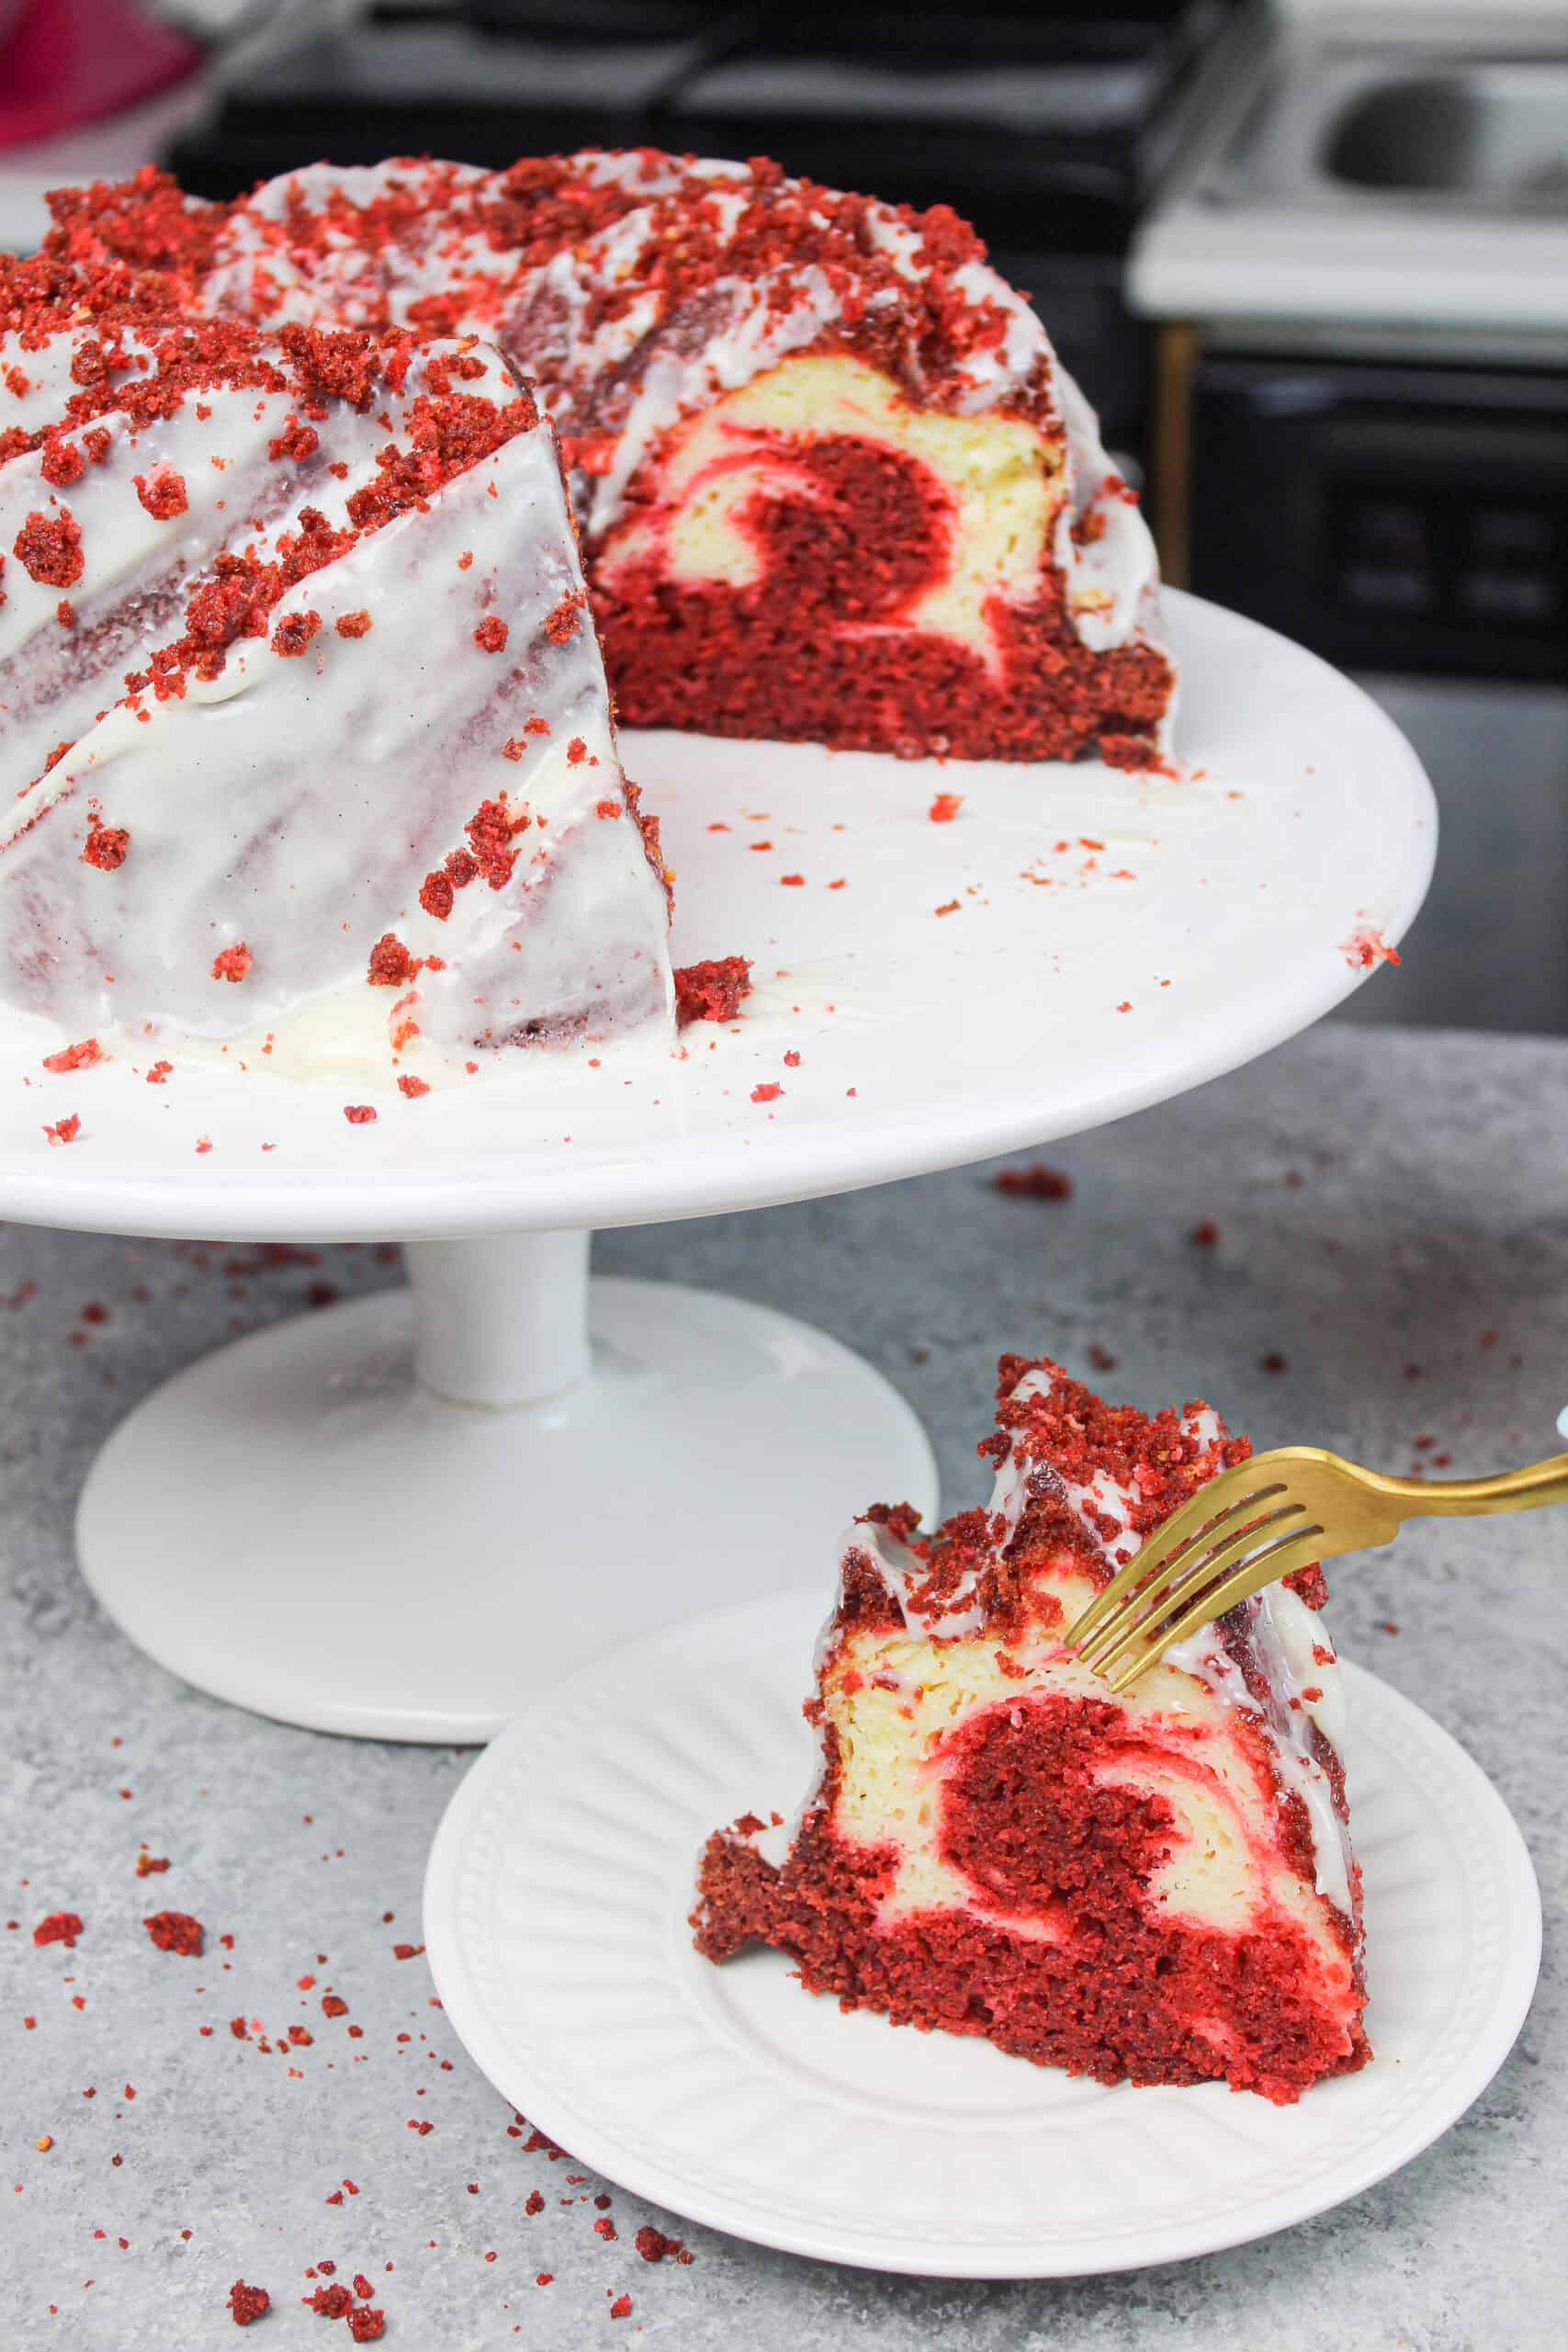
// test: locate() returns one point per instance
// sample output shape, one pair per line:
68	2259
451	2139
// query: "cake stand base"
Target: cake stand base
405	1516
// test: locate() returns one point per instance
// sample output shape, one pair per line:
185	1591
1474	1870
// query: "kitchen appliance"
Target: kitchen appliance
1043	127
1359	265
1409	521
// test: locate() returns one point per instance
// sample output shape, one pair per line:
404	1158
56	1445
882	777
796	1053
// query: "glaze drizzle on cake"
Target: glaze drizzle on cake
305	731
1157	1886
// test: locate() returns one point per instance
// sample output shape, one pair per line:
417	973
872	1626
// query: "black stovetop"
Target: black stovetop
1033	123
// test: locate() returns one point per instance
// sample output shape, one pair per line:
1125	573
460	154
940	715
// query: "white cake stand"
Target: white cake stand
403	1516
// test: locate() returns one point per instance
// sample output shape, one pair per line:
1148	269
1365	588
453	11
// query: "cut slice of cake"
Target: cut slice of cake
833	481
305	738
1158	1887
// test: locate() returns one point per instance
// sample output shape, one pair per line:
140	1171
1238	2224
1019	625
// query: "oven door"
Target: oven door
1409	521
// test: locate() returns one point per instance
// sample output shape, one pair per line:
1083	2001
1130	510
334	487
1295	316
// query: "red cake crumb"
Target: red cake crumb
561	625
1036	1183
160	1073
330	2303
163	492
945	807
233	963
106	844
353	624
490	635
654	2247
151	1865
247	2304
391	966
176	1931
64	1130
79	1056
413	1087
1367	947
49	548
292	636
358	1115
490	831
712	991
621	2308
768	1091
59	1927
365	2323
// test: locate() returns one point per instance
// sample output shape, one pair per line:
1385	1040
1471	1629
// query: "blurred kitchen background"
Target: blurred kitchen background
1309	259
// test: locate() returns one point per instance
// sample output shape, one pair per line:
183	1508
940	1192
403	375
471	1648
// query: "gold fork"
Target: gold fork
1262	1521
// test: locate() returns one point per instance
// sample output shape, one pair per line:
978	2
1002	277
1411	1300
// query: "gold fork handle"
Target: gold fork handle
1526	1490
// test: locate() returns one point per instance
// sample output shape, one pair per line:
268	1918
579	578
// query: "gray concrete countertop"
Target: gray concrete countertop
1389	1276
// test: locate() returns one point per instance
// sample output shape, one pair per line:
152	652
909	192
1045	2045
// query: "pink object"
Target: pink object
65	63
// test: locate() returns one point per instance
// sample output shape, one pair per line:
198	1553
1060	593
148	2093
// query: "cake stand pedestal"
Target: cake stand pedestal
407	1515
404	1516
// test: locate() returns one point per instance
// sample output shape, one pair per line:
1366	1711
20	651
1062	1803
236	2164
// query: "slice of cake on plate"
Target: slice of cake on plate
305	739
1158	1887
834	484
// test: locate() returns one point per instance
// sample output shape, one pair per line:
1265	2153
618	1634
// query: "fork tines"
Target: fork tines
1201	1562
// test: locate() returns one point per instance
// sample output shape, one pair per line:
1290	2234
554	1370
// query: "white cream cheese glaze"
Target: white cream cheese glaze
295	805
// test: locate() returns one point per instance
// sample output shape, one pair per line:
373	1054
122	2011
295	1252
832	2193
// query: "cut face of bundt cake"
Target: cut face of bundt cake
304	732
833	483
1158	1887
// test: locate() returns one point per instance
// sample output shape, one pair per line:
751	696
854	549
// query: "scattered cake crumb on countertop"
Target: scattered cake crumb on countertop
261	2112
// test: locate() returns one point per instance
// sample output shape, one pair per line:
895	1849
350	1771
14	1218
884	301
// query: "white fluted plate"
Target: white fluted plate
556	1906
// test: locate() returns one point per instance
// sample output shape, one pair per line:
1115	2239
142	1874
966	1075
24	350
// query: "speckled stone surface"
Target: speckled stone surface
1392	1222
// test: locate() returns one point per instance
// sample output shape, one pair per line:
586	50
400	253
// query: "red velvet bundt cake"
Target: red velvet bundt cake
832	481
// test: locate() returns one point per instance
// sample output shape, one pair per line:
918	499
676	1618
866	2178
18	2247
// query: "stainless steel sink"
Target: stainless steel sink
1489	132
1366	125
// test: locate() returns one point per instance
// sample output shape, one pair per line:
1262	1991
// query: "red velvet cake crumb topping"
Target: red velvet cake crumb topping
49	548
712	991
176	1931
107	845
59	1927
